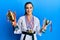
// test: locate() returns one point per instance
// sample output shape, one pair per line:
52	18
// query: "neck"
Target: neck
29	15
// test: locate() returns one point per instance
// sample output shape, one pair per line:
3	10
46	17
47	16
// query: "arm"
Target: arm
44	26
38	28
17	26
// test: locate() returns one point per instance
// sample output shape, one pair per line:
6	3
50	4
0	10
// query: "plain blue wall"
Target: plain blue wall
42	8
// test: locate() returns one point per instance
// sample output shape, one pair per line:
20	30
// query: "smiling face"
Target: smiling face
29	9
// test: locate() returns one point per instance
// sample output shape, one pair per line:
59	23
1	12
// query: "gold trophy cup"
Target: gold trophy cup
11	16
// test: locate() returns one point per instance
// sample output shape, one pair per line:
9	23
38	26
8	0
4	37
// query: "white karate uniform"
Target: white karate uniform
22	27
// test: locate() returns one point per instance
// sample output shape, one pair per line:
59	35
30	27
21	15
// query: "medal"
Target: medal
30	25
30	31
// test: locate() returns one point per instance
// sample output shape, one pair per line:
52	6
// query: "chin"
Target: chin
29	13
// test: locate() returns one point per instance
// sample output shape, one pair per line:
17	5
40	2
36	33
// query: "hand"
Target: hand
14	23
44	27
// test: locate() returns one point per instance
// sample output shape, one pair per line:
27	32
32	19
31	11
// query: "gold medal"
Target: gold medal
30	31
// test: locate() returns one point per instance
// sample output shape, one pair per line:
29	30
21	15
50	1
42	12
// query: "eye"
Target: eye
30	7
26	7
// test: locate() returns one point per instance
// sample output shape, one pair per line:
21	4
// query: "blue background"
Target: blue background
49	9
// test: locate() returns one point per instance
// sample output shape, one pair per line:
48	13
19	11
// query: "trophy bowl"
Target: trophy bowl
11	16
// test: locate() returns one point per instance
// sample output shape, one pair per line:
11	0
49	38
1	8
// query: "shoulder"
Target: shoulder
22	17
36	18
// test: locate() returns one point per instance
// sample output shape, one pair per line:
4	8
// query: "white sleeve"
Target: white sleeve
18	31
38	28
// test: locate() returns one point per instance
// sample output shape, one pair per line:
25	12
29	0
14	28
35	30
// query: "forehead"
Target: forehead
29	5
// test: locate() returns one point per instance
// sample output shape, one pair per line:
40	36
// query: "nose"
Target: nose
28	9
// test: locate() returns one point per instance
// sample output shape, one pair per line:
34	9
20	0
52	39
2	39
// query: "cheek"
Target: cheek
31	9
26	10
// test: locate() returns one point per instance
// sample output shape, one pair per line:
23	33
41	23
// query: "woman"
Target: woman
28	25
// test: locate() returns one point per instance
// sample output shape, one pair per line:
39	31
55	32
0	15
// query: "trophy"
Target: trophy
11	16
45	24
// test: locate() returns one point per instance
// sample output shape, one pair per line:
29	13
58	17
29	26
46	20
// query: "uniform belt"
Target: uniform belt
26	33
